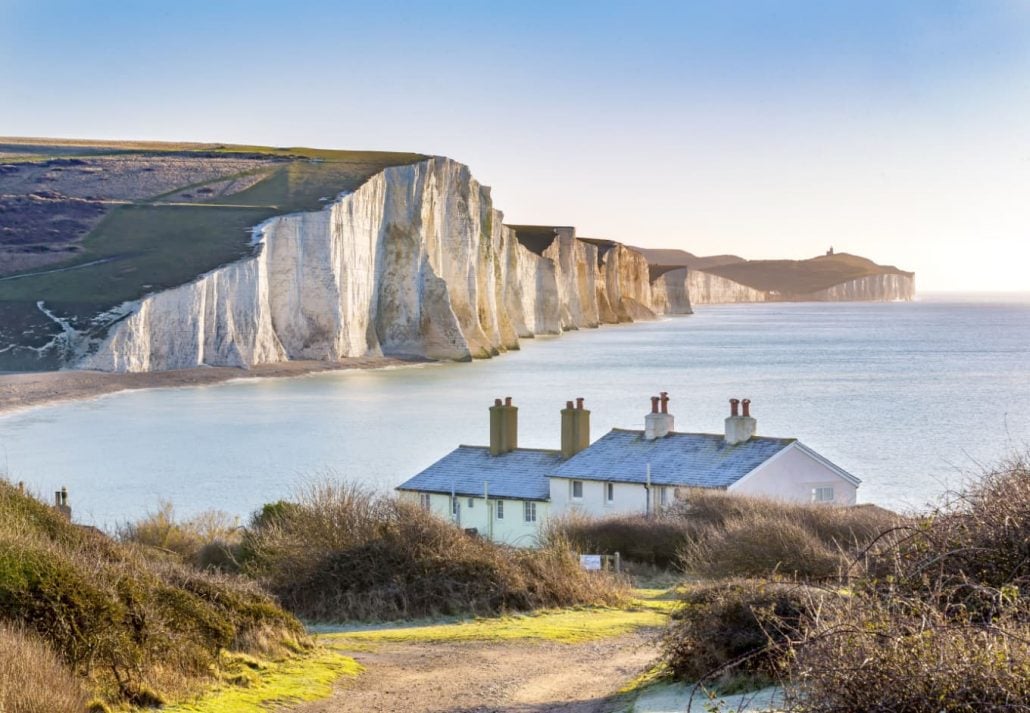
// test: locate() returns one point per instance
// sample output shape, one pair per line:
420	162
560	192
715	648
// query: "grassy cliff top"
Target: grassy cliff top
801	277
86	225
671	258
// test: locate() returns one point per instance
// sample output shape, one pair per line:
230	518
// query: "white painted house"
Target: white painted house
506	493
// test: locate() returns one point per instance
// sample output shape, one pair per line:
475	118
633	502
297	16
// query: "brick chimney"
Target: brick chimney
61	503
575	428
659	422
504	427
740	427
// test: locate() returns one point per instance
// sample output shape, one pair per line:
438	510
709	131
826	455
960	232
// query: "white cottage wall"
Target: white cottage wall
793	475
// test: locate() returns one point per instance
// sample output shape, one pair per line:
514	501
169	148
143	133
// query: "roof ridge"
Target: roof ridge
535	450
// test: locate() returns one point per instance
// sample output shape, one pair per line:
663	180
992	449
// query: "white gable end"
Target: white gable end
799	475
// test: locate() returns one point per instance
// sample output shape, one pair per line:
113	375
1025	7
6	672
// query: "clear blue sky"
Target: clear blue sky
767	128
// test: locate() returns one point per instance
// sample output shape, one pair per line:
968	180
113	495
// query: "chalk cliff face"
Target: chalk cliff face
670	292
415	262
705	289
882	288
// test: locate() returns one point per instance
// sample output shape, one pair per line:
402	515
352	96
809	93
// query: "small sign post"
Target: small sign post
591	563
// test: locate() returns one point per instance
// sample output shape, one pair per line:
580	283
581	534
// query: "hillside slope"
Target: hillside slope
132	624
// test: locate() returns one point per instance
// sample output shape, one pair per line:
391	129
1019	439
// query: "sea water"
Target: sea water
912	398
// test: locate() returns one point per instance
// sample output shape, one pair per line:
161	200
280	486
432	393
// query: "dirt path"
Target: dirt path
481	677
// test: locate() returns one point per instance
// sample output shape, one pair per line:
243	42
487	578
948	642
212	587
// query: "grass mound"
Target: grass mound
344	553
137	626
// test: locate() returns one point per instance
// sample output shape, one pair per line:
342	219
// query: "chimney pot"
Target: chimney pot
497	402
568	404
746	403
507	401
665	401
734	404
654	404
579	403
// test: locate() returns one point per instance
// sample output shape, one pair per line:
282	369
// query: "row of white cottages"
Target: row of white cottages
506	493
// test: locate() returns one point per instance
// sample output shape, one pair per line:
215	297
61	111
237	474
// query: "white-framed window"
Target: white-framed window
500	509
425	500
663	496
471	503
609	493
529	511
577	489
822	494
454	505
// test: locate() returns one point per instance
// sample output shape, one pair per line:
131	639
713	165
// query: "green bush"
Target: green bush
134	625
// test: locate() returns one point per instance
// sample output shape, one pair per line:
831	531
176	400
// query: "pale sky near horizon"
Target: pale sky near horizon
765	128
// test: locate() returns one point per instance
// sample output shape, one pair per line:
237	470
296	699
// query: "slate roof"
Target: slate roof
687	459
519	475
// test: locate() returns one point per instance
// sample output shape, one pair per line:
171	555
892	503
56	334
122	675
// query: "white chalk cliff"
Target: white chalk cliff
415	262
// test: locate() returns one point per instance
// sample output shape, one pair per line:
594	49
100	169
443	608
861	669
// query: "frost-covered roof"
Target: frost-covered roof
688	459
519	475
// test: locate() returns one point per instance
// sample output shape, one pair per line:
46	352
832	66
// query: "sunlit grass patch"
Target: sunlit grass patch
563	625
253	686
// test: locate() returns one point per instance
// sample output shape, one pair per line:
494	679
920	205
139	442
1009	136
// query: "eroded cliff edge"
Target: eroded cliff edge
414	262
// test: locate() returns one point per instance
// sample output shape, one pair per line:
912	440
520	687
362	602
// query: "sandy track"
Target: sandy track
495	677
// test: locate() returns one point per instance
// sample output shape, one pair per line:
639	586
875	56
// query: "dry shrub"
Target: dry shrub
942	620
652	541
757	544
718	534
135	626
208	540
33	679
735	633
344	553
871	654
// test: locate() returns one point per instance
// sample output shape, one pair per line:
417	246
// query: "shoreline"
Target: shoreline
25	390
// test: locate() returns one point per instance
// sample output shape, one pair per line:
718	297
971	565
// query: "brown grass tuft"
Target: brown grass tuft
33	679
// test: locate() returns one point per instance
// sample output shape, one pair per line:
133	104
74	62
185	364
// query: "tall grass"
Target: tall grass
33	679
344	553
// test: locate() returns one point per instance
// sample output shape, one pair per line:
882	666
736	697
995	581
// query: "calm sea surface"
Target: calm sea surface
909	397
